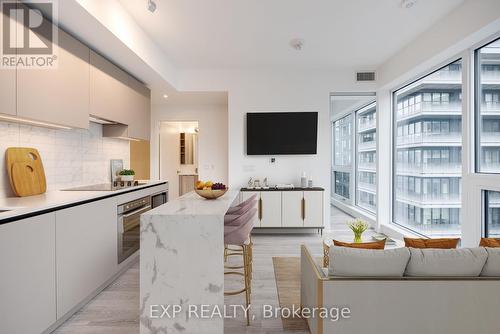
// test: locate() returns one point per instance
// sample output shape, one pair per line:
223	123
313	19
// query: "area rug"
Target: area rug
287	275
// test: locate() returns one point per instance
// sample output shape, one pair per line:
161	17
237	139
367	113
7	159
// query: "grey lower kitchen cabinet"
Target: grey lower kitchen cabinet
28	275
58	95
86	251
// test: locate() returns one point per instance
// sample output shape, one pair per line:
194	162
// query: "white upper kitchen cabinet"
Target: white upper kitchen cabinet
292	208
27	275
313	209
139	117
57	95
109	93
7	84
117	96
270	209
86	248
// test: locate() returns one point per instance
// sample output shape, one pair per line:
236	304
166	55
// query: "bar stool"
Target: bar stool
231	218
243	206
238	234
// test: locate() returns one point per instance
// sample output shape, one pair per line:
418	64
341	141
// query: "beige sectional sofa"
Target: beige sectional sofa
417	304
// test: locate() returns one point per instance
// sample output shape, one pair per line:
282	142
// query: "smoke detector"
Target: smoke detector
407	4
151	6
297	44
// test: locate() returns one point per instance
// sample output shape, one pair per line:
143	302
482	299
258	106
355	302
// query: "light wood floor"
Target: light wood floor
116	309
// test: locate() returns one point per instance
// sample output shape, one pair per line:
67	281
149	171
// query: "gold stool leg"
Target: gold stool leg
247	282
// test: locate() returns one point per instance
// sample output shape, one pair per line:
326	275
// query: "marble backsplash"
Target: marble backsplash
70	157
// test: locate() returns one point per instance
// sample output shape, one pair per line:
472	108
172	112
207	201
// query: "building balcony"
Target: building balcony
429	108
430	139
490	108
490	167
367	166
367	146
367	187
444	76
490	77
490	139
367	206
429	200
367	125
445	169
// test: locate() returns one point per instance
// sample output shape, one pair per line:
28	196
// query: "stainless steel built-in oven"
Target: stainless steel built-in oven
159	199
129	225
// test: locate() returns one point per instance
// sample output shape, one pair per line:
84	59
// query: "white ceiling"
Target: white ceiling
256	33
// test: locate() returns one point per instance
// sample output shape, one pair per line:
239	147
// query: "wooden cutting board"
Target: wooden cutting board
25	169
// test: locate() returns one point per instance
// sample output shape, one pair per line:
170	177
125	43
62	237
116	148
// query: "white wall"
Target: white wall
69	157
212	137
250	90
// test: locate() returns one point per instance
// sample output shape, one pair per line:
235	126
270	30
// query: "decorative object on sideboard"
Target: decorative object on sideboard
310	182
210	190
116	166
127	175
25	170
265	185
303	180
358	226
250	183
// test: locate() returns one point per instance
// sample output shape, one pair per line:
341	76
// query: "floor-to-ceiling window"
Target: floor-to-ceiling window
488	108
492	214
366	153
342	156
428	153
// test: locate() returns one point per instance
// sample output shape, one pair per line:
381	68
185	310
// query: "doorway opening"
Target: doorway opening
178	158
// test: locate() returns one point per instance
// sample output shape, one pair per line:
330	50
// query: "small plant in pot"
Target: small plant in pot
127	175
358	226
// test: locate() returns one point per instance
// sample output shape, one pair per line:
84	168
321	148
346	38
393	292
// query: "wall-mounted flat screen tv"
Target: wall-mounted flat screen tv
282	133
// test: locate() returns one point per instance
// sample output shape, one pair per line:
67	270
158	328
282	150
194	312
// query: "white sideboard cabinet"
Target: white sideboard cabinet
288	208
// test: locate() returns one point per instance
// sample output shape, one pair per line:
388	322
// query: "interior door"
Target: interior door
169	157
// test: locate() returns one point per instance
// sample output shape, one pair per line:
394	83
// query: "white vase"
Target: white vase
127	178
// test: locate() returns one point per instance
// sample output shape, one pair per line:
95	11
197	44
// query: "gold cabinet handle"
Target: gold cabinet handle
303	208
260	208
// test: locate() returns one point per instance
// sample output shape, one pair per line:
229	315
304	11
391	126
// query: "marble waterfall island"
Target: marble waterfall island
182	265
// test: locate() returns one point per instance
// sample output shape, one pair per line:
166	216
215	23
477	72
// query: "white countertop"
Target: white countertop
58	198
194	205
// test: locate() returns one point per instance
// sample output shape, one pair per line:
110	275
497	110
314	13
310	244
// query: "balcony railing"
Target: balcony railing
426	199
367	165
490	76
490	138
367	186
441	168
452	76
430	138
490	167
490	107
429	107
367	145
367	124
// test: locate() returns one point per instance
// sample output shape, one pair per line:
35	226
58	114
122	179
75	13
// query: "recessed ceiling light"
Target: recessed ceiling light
408	3
165	96
151	6
297	43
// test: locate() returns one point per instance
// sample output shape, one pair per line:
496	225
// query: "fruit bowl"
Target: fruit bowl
210	194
